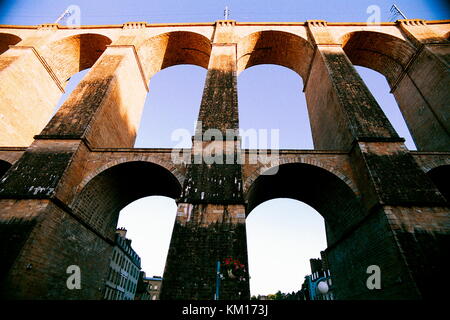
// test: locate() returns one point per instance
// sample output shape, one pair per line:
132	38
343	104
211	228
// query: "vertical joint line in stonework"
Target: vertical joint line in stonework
405	70
429	106
405	73
44	64
316	49
310	68
138	60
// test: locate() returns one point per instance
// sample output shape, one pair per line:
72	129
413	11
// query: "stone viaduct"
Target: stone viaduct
64	178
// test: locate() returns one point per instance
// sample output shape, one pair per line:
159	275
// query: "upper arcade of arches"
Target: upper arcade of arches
275	47
55	32
54	53
163	45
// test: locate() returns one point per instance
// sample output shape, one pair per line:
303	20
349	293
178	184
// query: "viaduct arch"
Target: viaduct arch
6	40
69	178
116	187
392	57
308	183
275	47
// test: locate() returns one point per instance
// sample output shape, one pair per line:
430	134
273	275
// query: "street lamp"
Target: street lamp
320	284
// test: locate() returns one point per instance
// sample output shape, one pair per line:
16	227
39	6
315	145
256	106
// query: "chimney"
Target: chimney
122	232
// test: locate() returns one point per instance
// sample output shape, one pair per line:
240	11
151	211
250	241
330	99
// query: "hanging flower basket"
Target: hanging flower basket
233	269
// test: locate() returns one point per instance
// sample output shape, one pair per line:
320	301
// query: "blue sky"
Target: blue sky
286	231
116	11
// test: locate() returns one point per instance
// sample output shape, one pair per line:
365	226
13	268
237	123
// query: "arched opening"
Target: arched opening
275	47
6	40
174	48
270	97
272	104
282	236
27	113
4	166
168	119
149	222
441	178
309	184
379	88
71	59
73	54
389	56
99	204
176	63
101	200
381	52
325	193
